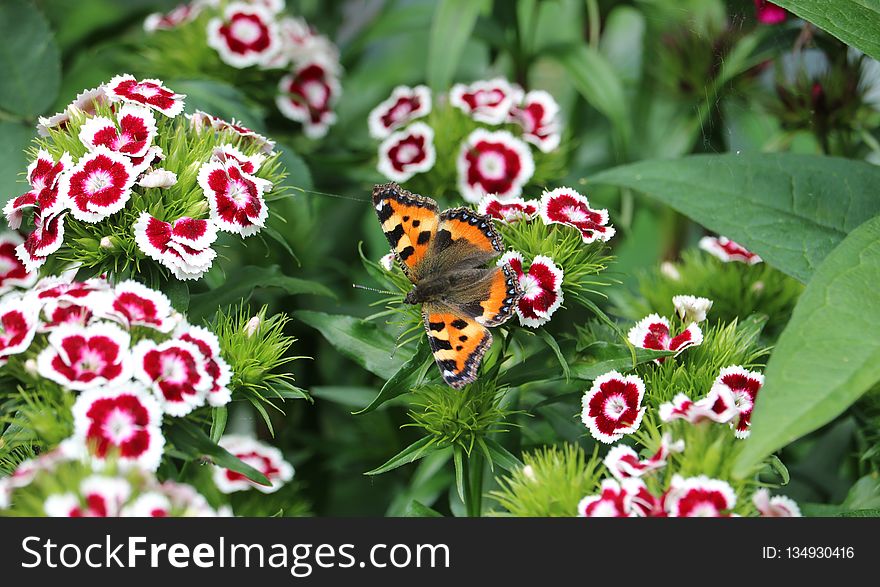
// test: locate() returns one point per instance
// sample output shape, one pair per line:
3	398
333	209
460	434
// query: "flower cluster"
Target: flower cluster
57	484
257	34
118	175
127	354
491	147
266	459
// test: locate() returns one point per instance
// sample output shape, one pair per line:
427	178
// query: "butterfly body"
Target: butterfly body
446	256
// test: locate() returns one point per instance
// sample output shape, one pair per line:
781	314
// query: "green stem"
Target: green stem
473	484
593	22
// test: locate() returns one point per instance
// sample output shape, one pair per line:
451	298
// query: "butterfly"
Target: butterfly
445	256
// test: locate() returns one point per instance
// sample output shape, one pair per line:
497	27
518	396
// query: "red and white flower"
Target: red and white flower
247	35
538	115
699	497
624	462
235	198
615	500
266	459
777	506
493	163
216	368
228	153
133	136
200	121
83	357
99	185
652	332
43	174
183	246
510	210
768	13
56	313
99	497
180	14
175	372
407	152
64	290
121	422
134	304
85	102
715	407
742	386
487	101
307	95
149	92
691	308
566	206
46	238
13	273
151	504
613	406
300	43
728	251
541	285
403	106
18	324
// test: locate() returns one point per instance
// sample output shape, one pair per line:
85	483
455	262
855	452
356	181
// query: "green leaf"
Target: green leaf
828	355
298	174
451	28
417	509
501	456
241	282
790	209
596	80
192	441
219	416
855	22
14	139
361	341
286	390
354	398
408	376
458	460
554	346
621	361
220	99
30	63
417	450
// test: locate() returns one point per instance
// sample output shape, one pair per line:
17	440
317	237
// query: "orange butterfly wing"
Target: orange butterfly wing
409	221
458	343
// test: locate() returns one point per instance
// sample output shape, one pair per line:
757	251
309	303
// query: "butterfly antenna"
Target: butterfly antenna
398	344
329	195
373	289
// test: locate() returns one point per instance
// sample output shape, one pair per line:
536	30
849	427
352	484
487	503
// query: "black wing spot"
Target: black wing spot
395	235
463	338
439	344
442	240
458	348
436	325
459	324
416	223
384	212
424	236
406	253
406	218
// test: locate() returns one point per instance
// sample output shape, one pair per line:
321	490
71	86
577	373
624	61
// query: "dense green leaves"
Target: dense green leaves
855	22
791	209
451	28
829	354
30	64
361	341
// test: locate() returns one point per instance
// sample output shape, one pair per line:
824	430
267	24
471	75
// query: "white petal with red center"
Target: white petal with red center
403	106
148	505
99	185
175	372
691	308
407	152
149	92
691	336
18	323
120	423
651	332
266	459
613	501
13	273
84	357
247	35
235	198
200	121
510	210
43	175
742	387
217	368
538	115
493	163
308	96
699	497
134	304
104	496
229	153
487	101
542	288
566	206
151	235
62	505
158	178
778	506
728	251
613	406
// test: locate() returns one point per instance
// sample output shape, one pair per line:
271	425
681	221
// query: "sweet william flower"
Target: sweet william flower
623	462
13	273
226	153
131	134
83	357
180	14
307	95
566	206
175	372
18	324
493	163
215	366
183	246
538	115
235	198
202	121
487	101
741	386
510	210
407	152
613	406
99	185
615	500
541	285
43	174
691	308
266	459
134	304
653	332
149	92
699	497
148	505
777	506
728	251
84	102
716	407
46	238
247	35
100	497
403	106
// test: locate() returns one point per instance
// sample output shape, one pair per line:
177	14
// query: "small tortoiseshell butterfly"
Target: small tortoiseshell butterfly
445	255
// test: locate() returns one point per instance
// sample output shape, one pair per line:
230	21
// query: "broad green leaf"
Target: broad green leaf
407	377
828	355
790	209
417	509
361	341
855	22
596	80
219	416
30	63
451	28
240	283
501	456
298	174
192	441
417	450
14	139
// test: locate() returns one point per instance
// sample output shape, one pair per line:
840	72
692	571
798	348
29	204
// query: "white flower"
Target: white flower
158	178
691	308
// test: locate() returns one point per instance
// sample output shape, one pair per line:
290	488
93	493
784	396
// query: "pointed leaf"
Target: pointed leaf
408	376
417	450
192	441
855	22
